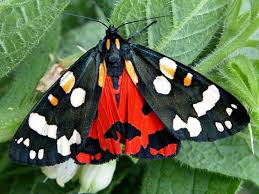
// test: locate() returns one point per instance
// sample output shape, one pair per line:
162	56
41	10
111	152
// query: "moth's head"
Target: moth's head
112	39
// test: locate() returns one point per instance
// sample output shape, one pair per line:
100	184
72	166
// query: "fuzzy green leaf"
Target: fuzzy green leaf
240	35
86	36
168	177
184	34
23	24
18	93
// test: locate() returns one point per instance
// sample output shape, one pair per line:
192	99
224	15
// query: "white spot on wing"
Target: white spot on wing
193	125
77	97
32	154
162	85
228	124
210	98
234	106
39	124
19	140
219	126
75	138
178	123
27	142
63	146
41	154
229	111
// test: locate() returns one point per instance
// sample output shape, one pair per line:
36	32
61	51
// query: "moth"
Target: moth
123	98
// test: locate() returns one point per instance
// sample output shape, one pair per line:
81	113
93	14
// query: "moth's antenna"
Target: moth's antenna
141	31
86	18
141	20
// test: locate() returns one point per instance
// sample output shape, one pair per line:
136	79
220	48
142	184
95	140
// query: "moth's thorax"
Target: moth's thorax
114	54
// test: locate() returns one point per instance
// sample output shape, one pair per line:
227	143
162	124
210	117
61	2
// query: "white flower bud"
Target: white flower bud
94	178
63	172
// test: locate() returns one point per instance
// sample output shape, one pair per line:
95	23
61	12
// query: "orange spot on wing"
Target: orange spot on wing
131	71
53	100
108	44
187	80
117	43
168	71
102	74
67	82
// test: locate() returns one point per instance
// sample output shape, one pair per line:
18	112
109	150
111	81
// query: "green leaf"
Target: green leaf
87	8
23	24
184	34
86	36
167	176
18	93
248	188
107	6
240	35
32	182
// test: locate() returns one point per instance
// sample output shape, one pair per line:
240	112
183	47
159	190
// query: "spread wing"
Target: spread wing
190	105
57	127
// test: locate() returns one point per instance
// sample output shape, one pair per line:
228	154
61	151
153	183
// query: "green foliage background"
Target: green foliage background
218	38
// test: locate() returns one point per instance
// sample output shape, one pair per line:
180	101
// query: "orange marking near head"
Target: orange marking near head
117	43
187	80
108	44
67	81
131	71
53	100
102	74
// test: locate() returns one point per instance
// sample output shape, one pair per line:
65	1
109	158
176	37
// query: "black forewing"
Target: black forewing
64	115
180	100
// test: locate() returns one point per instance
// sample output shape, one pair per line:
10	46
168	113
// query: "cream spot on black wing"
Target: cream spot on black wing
229	111
162	85
75	138
234	106
20	140
228	124
193	125
210	97
39	124
32	154
41	154
77	97
26	142
219	126
63	146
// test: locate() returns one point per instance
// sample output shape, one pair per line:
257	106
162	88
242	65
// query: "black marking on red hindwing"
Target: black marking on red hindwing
146	108
92	147
157	141
125	131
